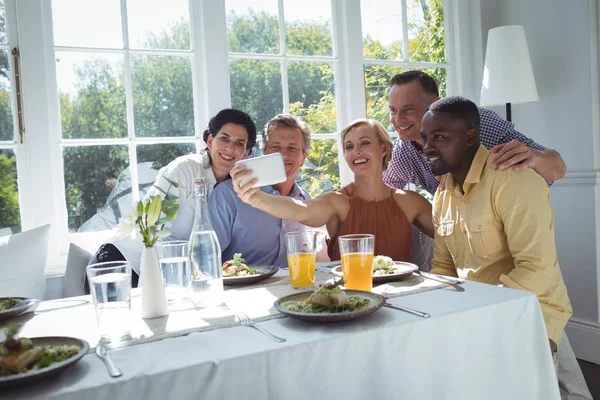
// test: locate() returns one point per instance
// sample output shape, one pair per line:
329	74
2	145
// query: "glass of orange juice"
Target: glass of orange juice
302	258
357	261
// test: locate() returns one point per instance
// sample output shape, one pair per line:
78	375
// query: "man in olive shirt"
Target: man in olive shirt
494	226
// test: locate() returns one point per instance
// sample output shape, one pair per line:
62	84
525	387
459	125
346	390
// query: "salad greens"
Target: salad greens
7	304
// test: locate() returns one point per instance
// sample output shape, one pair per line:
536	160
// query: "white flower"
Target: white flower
126	225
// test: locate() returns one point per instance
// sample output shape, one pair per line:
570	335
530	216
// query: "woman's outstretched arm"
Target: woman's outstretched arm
313	213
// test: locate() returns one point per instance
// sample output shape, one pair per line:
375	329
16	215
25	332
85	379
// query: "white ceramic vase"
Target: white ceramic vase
154	299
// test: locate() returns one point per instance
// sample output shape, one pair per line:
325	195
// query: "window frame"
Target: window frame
39	162
12	42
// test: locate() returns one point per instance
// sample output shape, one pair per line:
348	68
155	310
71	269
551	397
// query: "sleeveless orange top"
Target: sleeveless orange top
384	219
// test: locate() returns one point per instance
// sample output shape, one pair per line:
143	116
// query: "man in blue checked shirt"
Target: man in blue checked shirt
410	95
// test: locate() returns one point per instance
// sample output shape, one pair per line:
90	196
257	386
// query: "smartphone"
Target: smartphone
268	170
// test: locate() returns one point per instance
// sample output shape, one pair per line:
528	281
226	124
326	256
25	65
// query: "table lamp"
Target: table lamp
507	73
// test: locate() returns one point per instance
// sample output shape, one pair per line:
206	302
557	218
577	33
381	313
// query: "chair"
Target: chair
23	262
422	249
77	262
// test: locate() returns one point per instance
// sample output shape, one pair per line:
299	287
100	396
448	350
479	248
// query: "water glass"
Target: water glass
357	261
302	258
173	259
110	286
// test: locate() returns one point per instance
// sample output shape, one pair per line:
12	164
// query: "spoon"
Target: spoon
113	371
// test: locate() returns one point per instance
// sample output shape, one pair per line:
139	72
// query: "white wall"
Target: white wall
563	43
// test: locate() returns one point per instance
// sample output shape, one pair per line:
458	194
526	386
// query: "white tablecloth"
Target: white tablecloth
484	343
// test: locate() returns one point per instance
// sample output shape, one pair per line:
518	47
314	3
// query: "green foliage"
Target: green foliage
253	33
256	89
9	197
429	45
163	103
6	119
309	39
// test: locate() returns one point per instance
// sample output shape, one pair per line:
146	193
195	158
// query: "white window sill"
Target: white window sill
56	267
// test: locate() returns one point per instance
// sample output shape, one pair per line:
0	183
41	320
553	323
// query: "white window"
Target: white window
410	35
282	59
115	89
10	218
124	78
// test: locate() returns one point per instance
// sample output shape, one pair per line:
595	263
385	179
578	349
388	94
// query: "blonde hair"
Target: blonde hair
382	134
288	121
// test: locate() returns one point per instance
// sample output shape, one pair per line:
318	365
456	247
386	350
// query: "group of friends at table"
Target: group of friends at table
491	217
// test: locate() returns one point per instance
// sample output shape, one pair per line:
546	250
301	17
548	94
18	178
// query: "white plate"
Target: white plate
26	378
376	302
262	273
404	270
14	311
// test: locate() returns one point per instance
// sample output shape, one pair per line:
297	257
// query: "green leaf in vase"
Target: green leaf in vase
170	206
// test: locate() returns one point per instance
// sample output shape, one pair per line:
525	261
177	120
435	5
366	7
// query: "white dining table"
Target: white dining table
484	343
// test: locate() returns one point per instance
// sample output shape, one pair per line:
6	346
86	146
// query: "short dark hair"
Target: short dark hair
233	116
427	82
460	108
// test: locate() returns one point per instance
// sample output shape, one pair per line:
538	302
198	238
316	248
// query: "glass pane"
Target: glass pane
10	218
91	91
90	23
381	30
156	24
321	171
426	31
159	155
312	95
256	89
377	85
308	27
439	74
2	22
163	104
94	176
252	26
7	132
151	158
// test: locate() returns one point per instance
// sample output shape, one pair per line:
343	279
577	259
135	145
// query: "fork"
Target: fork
245	321
441	280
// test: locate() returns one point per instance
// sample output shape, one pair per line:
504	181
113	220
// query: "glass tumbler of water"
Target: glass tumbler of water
110	286
173	259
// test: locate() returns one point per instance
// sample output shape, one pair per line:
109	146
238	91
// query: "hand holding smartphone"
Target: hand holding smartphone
268	170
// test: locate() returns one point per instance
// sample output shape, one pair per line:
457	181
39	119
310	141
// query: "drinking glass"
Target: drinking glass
173	259
302	258
357	261
110	286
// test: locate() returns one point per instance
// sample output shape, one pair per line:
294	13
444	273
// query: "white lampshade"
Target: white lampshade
507	74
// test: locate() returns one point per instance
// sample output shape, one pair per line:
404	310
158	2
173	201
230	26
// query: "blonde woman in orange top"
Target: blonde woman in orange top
366	206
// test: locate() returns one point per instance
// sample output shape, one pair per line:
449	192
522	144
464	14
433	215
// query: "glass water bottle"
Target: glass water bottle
206	278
